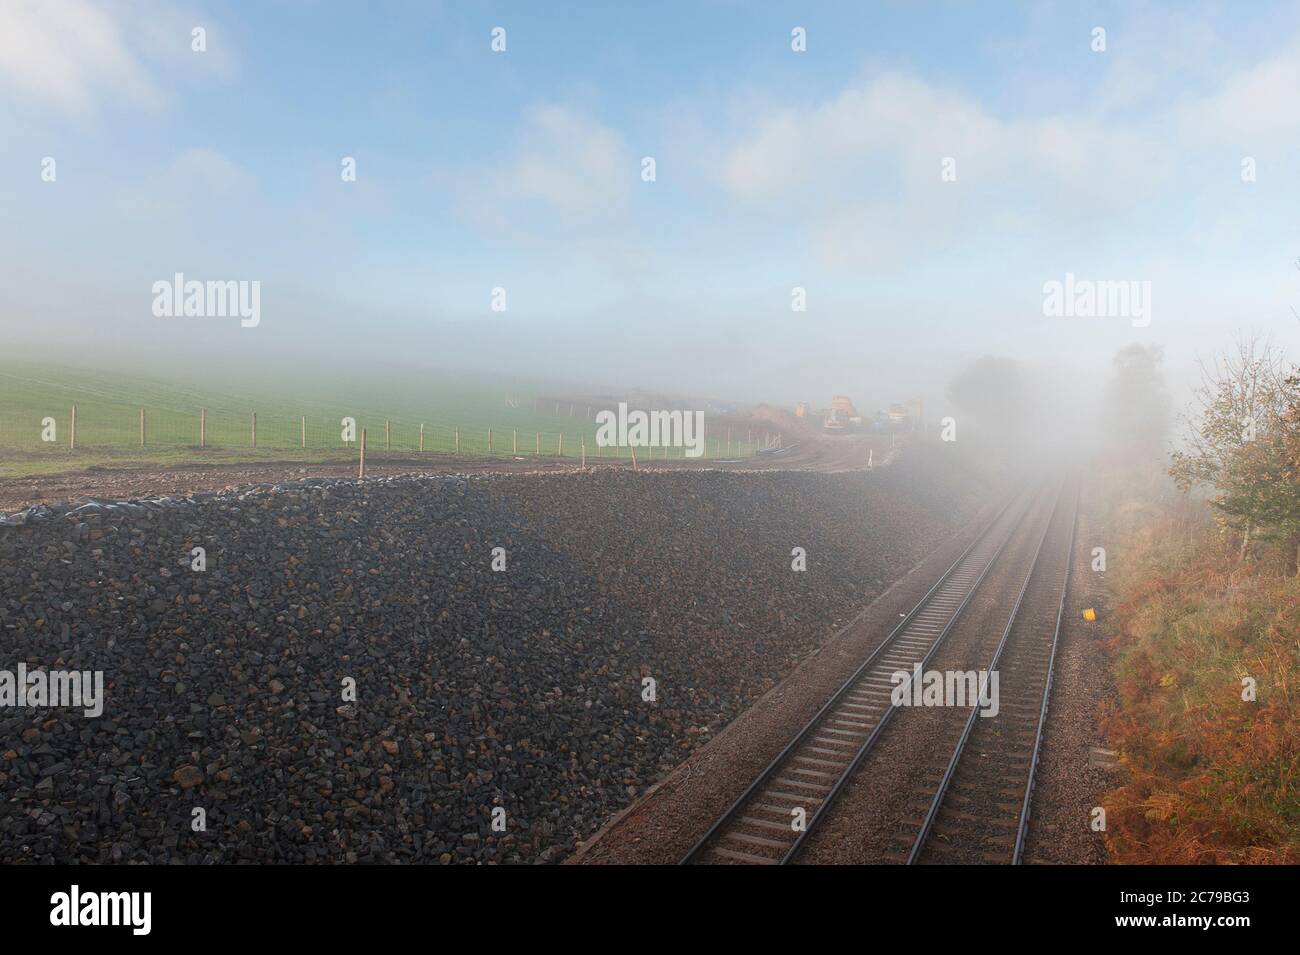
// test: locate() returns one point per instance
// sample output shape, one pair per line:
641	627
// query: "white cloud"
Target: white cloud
577	166
896	118
197	178
165	37
861	170
908	126
77	56
69	54
566	166
208	170
1254	107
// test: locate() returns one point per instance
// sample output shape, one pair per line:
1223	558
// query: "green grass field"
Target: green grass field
453	413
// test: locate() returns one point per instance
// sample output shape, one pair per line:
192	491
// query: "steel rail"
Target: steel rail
813	724
933	812
1022	827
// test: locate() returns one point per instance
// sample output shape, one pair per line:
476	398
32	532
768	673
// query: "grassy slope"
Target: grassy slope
108	404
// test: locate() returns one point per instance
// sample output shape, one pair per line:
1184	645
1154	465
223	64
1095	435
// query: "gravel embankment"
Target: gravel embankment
475	689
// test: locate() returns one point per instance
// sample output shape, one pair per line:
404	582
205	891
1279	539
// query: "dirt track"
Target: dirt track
810	452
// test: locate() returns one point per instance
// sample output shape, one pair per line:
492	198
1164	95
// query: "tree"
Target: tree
990	393
1284	502
1135	406
1241	441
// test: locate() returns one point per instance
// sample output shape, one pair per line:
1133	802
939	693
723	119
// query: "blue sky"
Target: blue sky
775	169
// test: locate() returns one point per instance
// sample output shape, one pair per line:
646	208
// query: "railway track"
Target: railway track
980	811
773	818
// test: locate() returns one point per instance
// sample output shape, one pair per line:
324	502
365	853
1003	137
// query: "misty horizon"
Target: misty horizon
936	190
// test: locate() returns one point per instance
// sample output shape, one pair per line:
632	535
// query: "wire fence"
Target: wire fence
147	428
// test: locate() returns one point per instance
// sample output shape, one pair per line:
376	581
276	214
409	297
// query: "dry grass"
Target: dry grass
1214	778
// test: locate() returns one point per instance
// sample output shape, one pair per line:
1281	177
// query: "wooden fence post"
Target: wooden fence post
253	433
142	427
516	442
203	427
539	442
584	454
361	471
489	440
304	431
421	435
560	452
72	432
387	436
633	457
458	439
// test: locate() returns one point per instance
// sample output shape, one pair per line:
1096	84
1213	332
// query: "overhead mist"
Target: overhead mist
861	217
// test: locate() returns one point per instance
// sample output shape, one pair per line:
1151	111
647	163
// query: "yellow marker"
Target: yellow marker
1090	615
